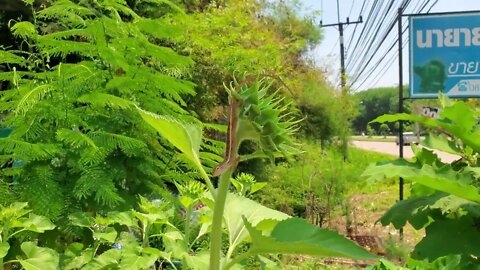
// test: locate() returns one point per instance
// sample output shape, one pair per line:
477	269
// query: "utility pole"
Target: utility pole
340	26
343	77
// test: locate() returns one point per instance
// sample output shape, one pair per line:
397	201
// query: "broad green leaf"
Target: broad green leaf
461	115
122	218
81	219
458	130
151	218
4	247
107	260
175	243
268	264
443	179
76	257
449	237
424	156
36	223
413	210
457	206
200	261
237	207
297	236
109	235
38	258
185	137
257	186
442	143
15	210
133	261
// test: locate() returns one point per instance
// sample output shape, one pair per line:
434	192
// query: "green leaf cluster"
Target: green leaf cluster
78	141
445	198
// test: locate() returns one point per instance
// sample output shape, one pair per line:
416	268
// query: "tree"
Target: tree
384	129
373	103
71	103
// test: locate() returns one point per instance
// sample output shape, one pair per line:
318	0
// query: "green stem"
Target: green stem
217	228
17	232
96	246
207	181
145	235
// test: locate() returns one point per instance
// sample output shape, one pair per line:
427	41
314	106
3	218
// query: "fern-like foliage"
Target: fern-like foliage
78	142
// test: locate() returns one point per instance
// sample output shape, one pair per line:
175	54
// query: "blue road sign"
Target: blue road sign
445	55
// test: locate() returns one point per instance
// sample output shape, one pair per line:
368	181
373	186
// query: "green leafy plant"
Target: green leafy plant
124	238
74	82
246	185
15	219
258	118
444	197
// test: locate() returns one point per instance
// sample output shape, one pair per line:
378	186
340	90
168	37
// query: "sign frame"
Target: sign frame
452	85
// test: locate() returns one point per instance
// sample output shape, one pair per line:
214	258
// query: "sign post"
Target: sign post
444	59
445	55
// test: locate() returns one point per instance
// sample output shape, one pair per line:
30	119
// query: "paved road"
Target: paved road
392	149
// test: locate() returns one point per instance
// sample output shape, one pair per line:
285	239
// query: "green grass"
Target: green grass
317	171
312	171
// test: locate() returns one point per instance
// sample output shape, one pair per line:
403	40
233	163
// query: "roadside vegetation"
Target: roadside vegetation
168	134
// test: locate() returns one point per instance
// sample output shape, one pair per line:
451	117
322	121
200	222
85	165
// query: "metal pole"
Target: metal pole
400	102
343	78
342	59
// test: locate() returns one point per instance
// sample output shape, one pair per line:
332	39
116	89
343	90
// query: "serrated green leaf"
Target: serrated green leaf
458	206
442	143
459	130
413	210
449	237
297	236
424	156
461	115
443	179
38	258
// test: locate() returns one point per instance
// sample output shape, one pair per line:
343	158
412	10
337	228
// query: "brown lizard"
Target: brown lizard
230	159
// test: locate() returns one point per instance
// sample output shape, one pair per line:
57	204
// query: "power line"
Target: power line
379	64
362	65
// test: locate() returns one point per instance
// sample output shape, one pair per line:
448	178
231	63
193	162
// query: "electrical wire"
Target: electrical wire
369	62
380	67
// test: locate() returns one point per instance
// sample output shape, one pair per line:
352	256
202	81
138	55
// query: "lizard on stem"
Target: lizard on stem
230	159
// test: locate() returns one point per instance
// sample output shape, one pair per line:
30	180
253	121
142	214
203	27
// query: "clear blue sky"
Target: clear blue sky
327	53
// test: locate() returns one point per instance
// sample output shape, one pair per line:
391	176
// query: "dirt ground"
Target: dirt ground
366	210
